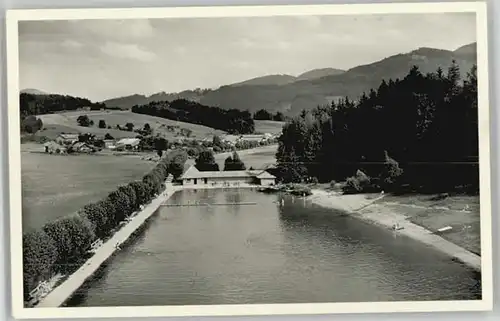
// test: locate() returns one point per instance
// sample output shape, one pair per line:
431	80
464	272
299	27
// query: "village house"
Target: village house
128	144
81	147
254	138
230	139
66	139
195	177
54	148
109	143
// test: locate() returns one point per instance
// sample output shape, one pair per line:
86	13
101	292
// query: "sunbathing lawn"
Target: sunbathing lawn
55	185
435	214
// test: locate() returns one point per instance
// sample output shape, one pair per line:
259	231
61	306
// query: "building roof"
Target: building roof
252	136
52	144
193	172
265	175
69	136
230	138
81	144
128	141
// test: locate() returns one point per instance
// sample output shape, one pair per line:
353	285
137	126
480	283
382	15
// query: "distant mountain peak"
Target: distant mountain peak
319	73
467	49
33	91
290	95
277	79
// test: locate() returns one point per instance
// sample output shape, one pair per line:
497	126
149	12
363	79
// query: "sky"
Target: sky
101	59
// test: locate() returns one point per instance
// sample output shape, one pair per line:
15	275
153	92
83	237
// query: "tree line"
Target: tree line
61	245
45	104
230	120
419	133
263	114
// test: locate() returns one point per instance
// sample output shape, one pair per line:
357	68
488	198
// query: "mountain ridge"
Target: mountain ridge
291	94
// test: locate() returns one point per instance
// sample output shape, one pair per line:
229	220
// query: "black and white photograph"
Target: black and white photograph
249	160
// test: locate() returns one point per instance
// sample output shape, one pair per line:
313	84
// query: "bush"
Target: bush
176	163
108	136
39	256
352	186
391	174
141	193
84	121
362	177
120	204
361	183
31	124
206	161
73	236
97	215
129	126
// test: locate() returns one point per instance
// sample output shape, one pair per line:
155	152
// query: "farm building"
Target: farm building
230	139
195	177
253	138
54	148
128	144
109	143
81	147
66	139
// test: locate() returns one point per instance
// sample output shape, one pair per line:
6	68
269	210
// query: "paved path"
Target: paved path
61	293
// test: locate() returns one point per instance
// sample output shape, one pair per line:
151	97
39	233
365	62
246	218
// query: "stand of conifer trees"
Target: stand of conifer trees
419	133
61	245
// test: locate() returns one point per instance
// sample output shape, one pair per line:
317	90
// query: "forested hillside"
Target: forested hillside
419	132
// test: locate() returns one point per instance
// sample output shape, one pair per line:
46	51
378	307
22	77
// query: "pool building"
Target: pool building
258	177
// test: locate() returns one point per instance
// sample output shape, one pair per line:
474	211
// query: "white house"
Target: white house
195	177
109	143
67	139
128	144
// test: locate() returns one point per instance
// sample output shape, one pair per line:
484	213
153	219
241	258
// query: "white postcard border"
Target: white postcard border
14	16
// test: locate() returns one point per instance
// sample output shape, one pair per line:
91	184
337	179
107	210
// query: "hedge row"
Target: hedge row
64	243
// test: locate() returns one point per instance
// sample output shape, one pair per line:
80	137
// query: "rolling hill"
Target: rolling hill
267	80
316	87
33	91
65	122
319	73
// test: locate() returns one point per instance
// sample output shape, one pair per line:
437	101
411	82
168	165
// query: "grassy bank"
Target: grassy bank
461	212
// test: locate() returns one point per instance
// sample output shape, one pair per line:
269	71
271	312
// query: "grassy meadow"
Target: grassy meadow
55	185
66	122
268	126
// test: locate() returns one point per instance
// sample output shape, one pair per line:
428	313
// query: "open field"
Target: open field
55	185
66	122
258	158
461	212
268	126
